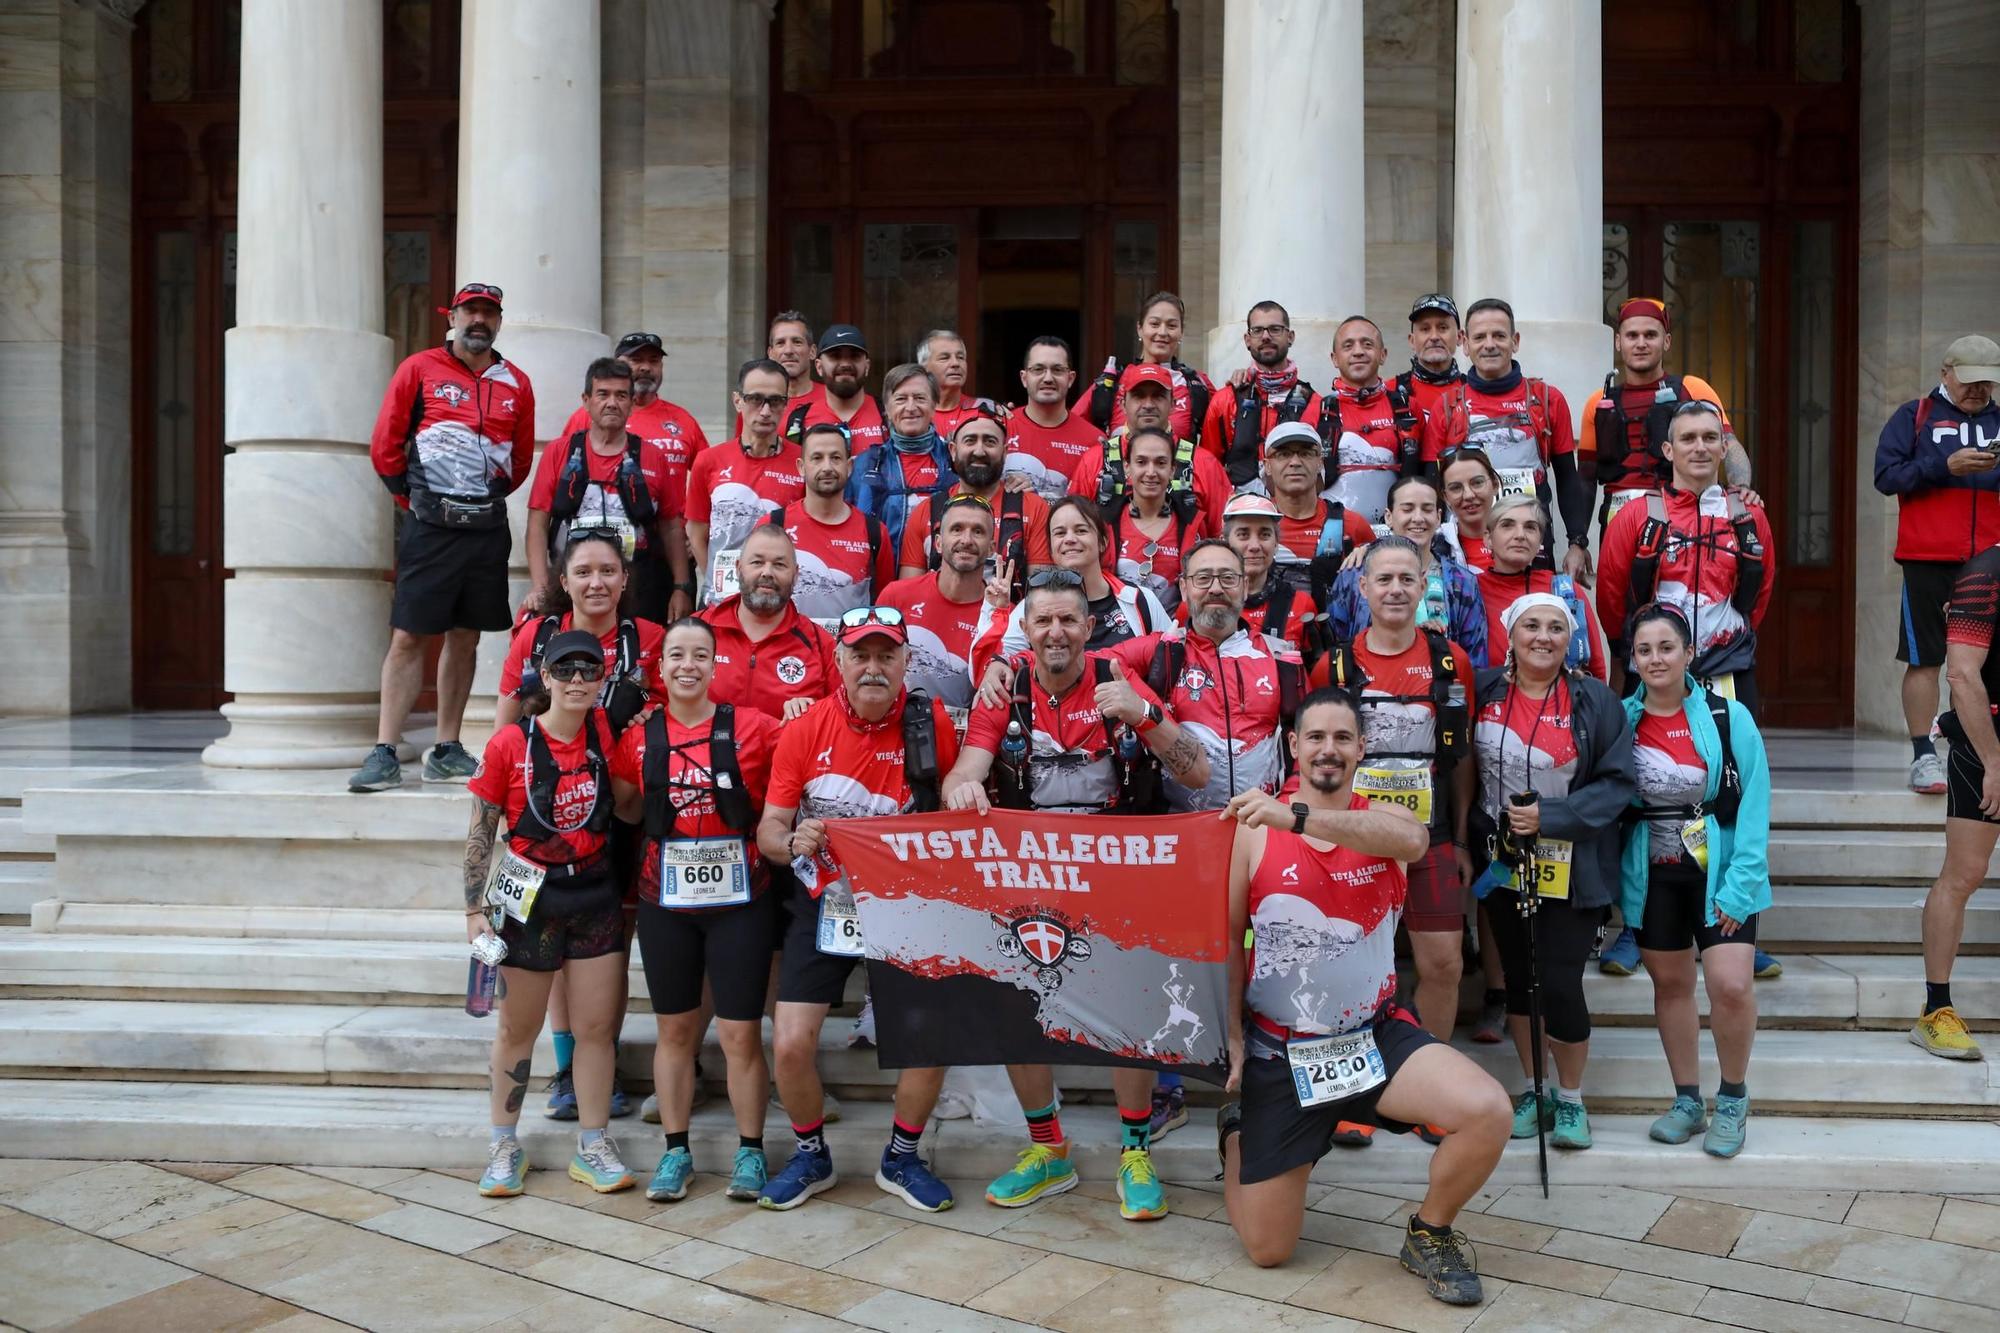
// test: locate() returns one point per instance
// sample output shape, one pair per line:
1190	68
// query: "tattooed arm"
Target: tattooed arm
1179	754
478	861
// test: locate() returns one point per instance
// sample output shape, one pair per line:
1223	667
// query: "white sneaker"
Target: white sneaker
1927	775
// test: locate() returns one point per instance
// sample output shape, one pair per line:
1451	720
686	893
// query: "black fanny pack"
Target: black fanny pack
448	512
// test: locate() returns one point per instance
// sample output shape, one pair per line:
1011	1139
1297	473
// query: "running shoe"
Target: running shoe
1725	1137
670	1181
1621	957
448	761
562	1096
1140	1198
1766	968
381	770
910	1180
747	1175
600	1167
506	1168
1350	1135
804	1176
1683	1120
1169	1109
1445	1263
1572	1126
1040	1170
1431	1134
1490	1029
1943	1033
1524	1114
863	1035
1927	775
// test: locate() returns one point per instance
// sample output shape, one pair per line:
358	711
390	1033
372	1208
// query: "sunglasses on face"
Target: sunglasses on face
576	668
763	402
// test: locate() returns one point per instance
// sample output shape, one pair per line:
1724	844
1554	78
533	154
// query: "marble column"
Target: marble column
306	524
1292	226
530	221
1528	225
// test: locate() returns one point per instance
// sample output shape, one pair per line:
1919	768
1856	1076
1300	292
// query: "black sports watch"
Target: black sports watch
1299	812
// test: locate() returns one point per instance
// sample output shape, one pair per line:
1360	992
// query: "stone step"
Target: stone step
1866	918
20	841
1866	856
375	1044
23	884
351	924
1794	807
429	1127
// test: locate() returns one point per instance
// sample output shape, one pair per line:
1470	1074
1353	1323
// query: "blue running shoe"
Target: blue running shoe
1766	968
1729	1128
911	1181
1683	1120
804	1176
506	1167
670	1181
1621	957
562	1097
747	1175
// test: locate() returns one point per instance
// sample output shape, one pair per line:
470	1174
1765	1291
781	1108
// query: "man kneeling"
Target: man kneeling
1320	881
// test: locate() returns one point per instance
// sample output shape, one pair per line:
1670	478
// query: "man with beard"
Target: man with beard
1071	717
844	557
1434	338
943	354
1149	402
1272	606
768	656
604	474
843	367
665	426
1369	431
916	462
733	487
871	749
455	437
1242	413
1625	424
978	452
1316	878
941	608
1520	423
1044	442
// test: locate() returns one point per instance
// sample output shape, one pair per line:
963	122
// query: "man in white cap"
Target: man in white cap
1939	455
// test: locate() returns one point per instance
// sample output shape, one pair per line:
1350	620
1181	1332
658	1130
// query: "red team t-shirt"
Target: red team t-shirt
1670	772
1049	455
838	571
941	636
667	427
694	804
1525	744
503	778
1300	536
652	638
602	505
1068	725
916	552
831	765
865	429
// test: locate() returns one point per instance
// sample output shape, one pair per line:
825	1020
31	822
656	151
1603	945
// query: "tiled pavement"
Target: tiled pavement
126	1245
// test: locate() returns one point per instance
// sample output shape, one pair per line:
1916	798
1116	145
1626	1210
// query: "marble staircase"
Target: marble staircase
261	967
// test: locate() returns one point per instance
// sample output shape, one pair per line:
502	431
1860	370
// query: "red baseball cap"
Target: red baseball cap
862	621
472	291
1146	372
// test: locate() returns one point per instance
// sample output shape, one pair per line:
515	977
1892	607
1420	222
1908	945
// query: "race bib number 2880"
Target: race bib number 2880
1332	1069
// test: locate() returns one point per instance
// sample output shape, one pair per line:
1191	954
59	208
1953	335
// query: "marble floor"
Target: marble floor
123	1245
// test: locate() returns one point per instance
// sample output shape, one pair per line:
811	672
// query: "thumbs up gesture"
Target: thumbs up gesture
1117	699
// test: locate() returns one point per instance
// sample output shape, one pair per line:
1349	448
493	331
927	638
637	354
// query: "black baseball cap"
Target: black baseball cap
1436	302
633	342
842	335
574	643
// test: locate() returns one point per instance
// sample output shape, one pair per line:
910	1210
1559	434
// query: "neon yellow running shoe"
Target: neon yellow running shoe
1040	1170
1943	1033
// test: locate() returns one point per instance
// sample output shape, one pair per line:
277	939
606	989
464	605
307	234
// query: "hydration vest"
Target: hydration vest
920	753
1409	431
1457	405
573	483
1728	790
1104	394
1614	441
1180	507
1111	481
1010	537
623	694
1245	454
1137	776
1655	532
795	421
732	802
1343	669
544	775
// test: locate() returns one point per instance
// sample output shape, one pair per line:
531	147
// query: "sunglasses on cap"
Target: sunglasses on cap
1449	456
574	668
1694	405
479	289
1056	578
870	615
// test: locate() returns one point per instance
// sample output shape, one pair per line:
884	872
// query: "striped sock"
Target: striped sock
1045	1126
812	1138
1136	1128
903	1138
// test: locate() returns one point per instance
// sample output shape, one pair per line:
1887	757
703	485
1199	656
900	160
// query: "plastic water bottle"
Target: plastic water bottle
1014	745
482	983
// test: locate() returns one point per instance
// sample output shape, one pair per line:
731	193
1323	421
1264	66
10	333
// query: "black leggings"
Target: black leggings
1563	939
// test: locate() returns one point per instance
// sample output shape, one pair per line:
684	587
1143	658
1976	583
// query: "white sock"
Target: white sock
1570	1095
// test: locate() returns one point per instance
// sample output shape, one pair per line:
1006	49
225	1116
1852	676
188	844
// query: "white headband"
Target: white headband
1527	602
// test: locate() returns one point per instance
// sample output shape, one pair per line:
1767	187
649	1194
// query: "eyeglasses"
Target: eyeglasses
1214	578
576	668
1038	371
763	402
1269	330
1056	578
870	615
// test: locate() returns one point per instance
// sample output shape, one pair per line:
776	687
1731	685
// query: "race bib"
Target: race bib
1724	685
1694	837
516	882
1552	858
1404	782
704	872
839	926
1616	501
1332	1069
1517	480
724	582
959	717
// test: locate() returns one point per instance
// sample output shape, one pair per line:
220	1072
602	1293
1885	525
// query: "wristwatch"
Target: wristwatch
686	587
1299	812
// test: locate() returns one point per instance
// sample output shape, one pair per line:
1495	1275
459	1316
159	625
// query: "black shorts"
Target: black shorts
451	578
1676	905
1964	775
1279	1135
1920	627
805	975
729	946
573	919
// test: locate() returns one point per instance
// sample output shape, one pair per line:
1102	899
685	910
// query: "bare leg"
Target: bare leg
1920	698
673	1068
1968	846
1267	1215
522	1005
1489	954
795	1044
1729	971
402	681
595	1020
1034	1085
455	664
749	1077
1674	1010
917	1094
1439	1086
1571	1057
1440	965
559	1006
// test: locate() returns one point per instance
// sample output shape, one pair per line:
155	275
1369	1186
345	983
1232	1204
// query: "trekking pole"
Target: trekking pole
1530	908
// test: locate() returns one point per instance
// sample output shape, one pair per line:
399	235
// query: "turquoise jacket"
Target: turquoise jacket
1739	872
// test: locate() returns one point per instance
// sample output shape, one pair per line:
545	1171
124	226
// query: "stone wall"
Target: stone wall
1930	264
65	346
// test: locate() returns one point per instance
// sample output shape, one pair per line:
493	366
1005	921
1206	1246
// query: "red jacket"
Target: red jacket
1697	573
794	660
1939	516
452	432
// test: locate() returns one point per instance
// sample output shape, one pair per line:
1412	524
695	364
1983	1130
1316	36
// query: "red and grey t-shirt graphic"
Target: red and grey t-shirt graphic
1324	923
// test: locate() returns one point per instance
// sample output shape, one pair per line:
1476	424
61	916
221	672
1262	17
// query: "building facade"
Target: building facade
225	221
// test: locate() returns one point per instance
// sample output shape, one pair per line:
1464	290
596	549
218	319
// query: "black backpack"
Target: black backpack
920	753
544	775
732	801
624	696
1104	395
